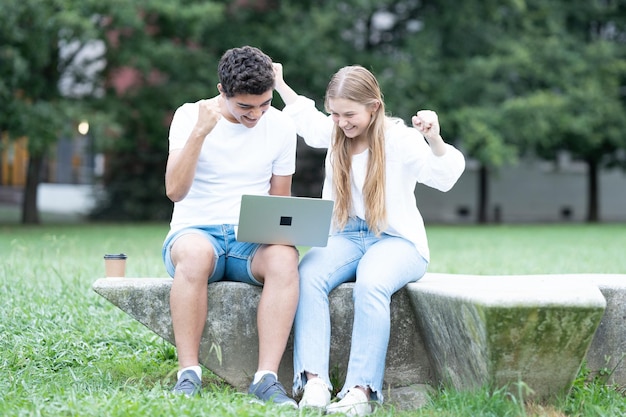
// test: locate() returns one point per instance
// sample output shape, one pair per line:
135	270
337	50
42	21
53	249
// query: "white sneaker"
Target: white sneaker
354	403
316	394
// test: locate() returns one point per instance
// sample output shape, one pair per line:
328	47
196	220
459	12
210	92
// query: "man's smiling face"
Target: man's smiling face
246	109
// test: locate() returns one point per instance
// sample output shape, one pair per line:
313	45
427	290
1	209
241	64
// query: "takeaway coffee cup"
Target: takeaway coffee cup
115	265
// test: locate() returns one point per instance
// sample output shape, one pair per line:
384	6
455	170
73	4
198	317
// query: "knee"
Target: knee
194	261
279	261
313	281
371	288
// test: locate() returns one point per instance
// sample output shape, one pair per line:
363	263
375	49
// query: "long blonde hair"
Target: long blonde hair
357	84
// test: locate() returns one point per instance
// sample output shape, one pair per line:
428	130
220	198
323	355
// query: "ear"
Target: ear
221	90
375	106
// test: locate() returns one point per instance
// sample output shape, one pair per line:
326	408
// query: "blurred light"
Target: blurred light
83	128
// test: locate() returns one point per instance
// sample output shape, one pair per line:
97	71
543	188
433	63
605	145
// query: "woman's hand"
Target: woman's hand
278	70
427	123
286	93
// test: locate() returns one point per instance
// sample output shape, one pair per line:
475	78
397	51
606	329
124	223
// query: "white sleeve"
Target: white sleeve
439	172
315	127
183	122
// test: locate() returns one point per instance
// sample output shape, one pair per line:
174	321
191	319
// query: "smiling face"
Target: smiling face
246	109
351	117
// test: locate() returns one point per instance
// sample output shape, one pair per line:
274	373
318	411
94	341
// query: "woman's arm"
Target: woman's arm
314	126
286	93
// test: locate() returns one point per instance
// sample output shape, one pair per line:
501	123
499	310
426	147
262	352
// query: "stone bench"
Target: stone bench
608	348
464	331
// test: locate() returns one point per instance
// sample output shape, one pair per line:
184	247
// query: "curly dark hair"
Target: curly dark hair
245	70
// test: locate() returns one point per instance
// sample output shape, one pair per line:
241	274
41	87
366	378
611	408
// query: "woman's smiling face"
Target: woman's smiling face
351	117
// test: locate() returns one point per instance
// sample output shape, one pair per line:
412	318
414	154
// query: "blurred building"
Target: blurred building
530	192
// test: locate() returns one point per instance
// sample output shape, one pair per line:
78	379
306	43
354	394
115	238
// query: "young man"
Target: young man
232	144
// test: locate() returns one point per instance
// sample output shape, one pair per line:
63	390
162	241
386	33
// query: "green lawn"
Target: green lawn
65	351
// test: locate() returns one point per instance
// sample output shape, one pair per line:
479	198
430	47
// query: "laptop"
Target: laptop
297	221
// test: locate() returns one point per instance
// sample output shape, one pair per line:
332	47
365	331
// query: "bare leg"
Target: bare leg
277	267
193	257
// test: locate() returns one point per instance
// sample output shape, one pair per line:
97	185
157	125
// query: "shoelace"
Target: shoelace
187	383
278	386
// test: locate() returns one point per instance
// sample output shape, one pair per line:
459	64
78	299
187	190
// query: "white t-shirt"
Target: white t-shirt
408	160
234	160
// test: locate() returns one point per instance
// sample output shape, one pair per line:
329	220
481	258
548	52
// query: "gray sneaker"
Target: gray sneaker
269	389
188	384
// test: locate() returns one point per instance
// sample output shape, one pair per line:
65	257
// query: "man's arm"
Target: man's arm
180	169
280	185
181	163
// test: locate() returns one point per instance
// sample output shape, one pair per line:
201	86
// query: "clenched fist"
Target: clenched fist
209	114
427	123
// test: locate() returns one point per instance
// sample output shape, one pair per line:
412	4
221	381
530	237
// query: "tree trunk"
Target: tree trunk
593	191
483	194
30	213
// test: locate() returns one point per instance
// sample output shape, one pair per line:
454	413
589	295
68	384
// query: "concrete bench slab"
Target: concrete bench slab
229	346
457	329
500	330
608	348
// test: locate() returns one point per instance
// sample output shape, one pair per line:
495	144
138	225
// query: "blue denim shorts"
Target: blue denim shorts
232	258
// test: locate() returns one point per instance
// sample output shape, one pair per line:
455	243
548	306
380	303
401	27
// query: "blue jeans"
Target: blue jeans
379	266
232	258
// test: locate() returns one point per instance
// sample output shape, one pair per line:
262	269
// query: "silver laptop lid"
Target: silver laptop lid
298	221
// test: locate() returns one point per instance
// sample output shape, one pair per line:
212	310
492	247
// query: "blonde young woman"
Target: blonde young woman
378	238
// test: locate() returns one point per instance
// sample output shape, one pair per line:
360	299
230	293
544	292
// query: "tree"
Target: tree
527	76
32	34
566	85
48	50
159	54
507	77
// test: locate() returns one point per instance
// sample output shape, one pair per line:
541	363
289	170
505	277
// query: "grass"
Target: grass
65	351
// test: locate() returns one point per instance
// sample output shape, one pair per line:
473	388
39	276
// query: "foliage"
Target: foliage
589	391
508	78
32	33
157	59
550	79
